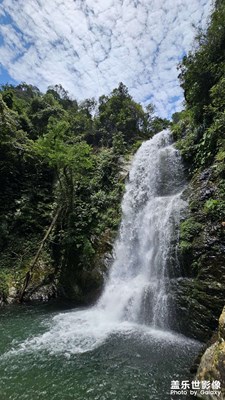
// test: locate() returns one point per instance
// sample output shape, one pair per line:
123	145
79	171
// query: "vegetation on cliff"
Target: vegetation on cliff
199	132
61	186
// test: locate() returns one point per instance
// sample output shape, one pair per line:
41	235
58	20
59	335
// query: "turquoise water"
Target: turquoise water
132	362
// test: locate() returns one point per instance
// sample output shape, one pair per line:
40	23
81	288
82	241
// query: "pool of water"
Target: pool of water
44	356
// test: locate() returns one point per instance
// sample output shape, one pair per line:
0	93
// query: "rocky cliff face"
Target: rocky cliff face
200	293
199	133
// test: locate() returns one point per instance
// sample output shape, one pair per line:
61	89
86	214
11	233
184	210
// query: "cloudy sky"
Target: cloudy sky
89	46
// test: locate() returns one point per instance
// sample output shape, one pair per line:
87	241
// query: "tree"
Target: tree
120	114
203	68
70	163
69	158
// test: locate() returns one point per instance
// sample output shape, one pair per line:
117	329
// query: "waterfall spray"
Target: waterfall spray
137	291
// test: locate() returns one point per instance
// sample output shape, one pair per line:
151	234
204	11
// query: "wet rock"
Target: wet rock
205	175
222	325
125	166
206	193
199	295
196	305
2	302
212	364
42	294
12	295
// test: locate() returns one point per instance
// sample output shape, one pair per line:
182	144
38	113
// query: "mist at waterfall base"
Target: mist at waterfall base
123	347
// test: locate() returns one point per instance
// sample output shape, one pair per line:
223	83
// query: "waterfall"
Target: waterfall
137	291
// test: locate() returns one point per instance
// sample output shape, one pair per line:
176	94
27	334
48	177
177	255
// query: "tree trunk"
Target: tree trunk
34	262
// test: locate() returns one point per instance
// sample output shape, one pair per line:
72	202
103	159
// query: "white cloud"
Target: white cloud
89	46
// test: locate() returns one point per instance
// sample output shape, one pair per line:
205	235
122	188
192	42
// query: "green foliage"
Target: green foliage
219	164
203	69
55	147
158	124
8	98
189	229
119	116
88	253
118	143
199	129
215	208
217	96
185	247
57	154
211	205
199	134
4	279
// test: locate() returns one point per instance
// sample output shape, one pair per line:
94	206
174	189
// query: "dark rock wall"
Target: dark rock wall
199	295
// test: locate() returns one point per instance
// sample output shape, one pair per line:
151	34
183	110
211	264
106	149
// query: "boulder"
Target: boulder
212	364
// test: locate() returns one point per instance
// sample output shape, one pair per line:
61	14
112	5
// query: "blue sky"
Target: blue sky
89	46
5	77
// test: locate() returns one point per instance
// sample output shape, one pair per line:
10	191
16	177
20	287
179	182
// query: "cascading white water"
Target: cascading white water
151	211
137	290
